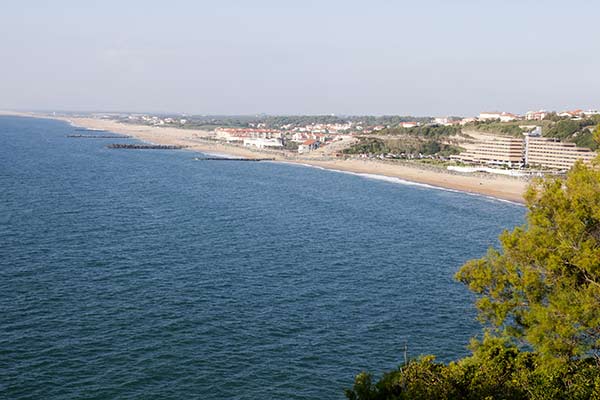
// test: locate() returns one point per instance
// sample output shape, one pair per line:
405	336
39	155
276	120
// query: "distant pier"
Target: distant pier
99	136
145	146
231	159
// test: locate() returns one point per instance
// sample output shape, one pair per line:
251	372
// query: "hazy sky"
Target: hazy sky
300	57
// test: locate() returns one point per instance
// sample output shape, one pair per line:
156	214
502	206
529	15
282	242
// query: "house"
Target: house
572	114
447	121
308	145
299	137
536	115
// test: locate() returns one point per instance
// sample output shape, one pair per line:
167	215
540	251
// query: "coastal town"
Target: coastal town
493	142
493	154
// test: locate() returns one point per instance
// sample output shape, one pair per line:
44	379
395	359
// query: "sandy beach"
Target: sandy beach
501	187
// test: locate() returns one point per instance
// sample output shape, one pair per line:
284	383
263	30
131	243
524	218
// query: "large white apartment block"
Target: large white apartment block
532	150
494	151
552	153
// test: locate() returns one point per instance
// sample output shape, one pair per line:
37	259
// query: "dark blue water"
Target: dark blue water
144	274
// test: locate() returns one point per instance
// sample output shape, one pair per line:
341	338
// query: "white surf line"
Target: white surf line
221	155
362	175
401	181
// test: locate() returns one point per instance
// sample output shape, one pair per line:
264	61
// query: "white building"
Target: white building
308	145
502	116
536	115
263	143
409	124
572	114
239	134
552	153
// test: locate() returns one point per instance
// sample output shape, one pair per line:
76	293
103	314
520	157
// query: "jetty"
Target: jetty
145	146
99	136
231	159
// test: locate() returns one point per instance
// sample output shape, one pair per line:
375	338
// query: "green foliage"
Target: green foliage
431	147
205	122
276	121
539	298
290	145
503	128
448	150
553	116
496	370
376	146
563	129
586	139
576	131
544	287
596	134
369	146
425	131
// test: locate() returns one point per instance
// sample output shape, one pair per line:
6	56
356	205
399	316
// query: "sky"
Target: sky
300	57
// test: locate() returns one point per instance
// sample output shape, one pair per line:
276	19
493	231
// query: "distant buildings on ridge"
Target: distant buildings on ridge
489	149
494	115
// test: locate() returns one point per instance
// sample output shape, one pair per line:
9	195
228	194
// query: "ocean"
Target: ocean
139	274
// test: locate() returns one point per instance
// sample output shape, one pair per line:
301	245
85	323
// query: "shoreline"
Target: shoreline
503	188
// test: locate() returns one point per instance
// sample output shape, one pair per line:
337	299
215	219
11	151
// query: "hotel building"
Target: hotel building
532	150
551	153
494	150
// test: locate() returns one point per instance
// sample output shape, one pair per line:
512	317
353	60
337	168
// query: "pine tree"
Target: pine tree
543	287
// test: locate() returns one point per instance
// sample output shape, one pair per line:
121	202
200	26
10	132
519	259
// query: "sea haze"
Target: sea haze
145	274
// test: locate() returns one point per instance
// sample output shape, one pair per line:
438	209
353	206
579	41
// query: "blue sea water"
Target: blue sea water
144	274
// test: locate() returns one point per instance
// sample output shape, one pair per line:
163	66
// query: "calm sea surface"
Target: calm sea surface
138	274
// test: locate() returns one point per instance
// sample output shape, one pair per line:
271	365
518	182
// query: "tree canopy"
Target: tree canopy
543	288
426	131
539	301
413	146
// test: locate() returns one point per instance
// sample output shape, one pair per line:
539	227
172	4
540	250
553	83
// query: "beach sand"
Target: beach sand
501	187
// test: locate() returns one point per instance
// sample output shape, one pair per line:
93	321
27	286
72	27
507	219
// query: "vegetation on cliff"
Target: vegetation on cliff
432	131
539	303
405	147
577	131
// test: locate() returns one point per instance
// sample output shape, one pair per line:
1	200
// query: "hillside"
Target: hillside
570	130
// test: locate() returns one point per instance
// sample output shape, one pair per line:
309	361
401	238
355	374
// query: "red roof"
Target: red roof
309	142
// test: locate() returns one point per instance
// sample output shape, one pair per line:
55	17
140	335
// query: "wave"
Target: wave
405	182
221	155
